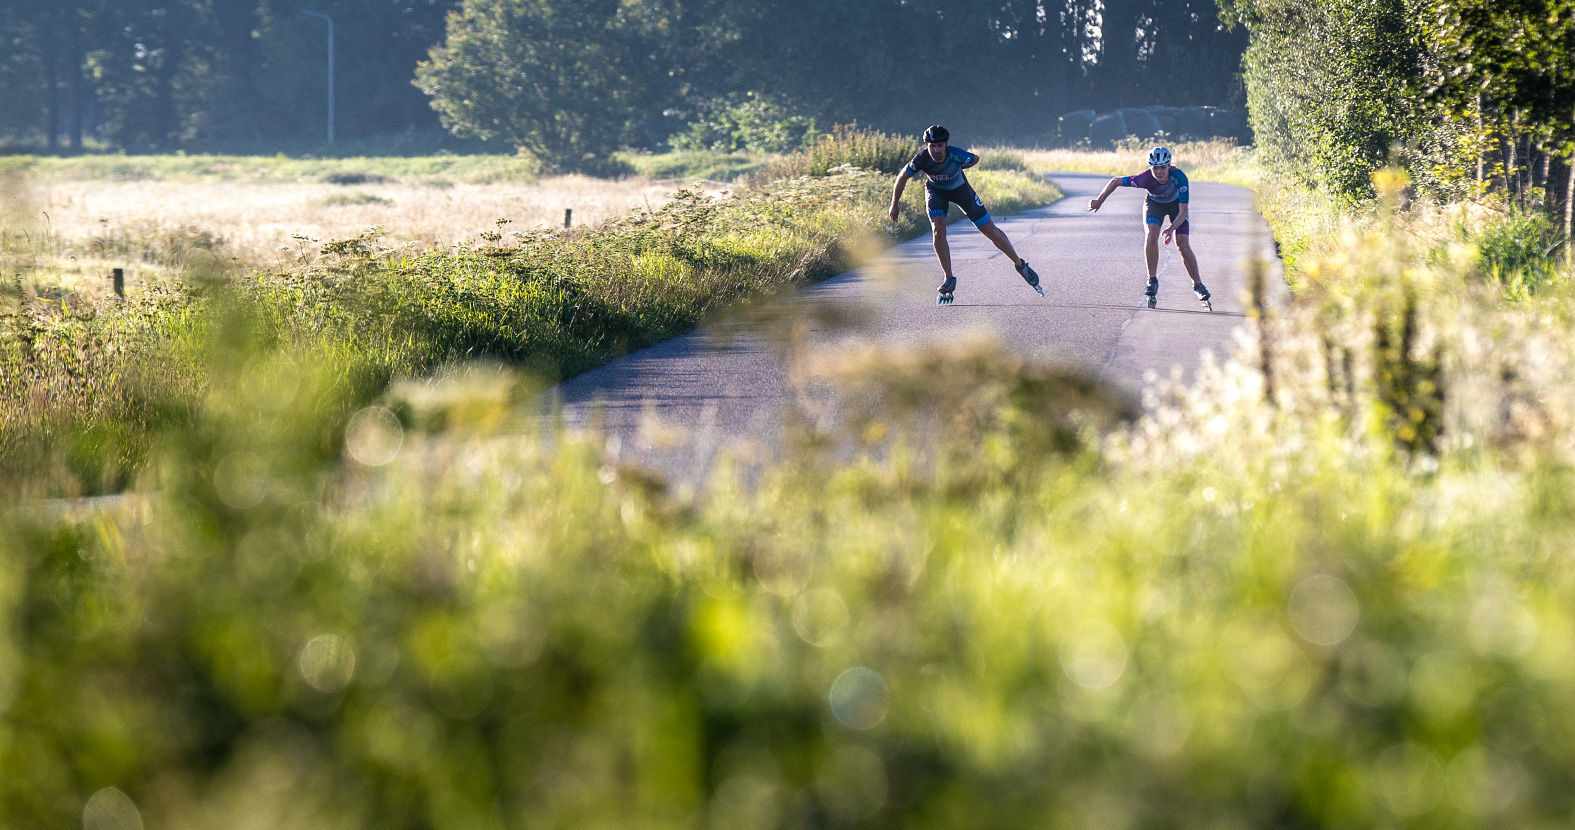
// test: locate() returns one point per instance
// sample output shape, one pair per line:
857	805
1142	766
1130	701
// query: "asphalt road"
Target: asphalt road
730	380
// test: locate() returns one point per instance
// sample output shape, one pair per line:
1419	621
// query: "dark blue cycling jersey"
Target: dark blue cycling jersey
946	173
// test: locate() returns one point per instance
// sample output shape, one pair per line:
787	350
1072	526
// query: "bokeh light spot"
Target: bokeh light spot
859	698
239	480
111	809
1094	655
1409	779
852	784
819	616
1324	610
327	662
374	436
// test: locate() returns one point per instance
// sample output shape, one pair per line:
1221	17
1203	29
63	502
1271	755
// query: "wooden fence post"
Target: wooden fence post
119	276
568	216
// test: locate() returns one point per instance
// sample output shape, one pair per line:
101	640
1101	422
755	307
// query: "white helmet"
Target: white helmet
1158	156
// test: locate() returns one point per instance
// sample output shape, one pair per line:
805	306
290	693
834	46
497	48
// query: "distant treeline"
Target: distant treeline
576	78
164	75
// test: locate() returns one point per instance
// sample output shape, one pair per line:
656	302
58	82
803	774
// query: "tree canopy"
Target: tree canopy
1469	94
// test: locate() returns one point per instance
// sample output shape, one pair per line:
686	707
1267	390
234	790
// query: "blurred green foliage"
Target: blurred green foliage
1253	604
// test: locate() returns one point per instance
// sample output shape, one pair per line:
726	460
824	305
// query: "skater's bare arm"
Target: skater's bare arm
896	193
1097	202
1181	217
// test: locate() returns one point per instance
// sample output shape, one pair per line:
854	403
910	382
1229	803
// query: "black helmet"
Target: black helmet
936	133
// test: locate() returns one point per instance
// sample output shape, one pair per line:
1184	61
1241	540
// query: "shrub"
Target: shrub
754	122
1520	251
357	198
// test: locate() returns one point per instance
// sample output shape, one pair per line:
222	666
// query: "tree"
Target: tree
563	80
1331	84
1505	71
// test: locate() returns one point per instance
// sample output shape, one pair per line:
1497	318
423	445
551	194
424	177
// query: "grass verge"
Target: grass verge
86	385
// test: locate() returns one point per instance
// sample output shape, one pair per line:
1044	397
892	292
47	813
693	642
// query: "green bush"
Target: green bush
1520	252
690	165
355	199
753	122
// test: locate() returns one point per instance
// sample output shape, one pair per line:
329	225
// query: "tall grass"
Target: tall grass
845	145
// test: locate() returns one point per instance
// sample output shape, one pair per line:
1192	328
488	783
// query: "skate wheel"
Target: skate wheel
1152	301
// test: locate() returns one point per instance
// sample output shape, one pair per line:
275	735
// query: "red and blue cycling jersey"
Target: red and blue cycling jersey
1173	189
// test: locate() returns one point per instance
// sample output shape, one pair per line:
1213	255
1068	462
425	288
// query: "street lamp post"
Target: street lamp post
330	72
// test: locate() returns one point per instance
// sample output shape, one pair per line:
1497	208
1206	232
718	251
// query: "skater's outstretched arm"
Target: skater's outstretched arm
1097	202
896	194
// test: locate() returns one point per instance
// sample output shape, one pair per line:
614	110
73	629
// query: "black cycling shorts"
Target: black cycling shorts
937	201
1155	213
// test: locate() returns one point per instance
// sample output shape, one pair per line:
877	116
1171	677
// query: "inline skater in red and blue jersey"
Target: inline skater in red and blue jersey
942	166
1168	197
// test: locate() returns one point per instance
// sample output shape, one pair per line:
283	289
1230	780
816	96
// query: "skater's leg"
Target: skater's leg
1188	258
998	236
1151	250
943	251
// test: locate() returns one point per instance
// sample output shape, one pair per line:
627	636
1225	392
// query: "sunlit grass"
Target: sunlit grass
146	226
87	381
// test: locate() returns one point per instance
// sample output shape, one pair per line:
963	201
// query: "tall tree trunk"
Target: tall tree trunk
73	70
1481	154
49	28
1569	214
1511	178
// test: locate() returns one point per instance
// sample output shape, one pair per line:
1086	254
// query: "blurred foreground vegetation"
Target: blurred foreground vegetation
357	579
1325	586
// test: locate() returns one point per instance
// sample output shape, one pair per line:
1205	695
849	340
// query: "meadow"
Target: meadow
1324	586
89	381
150	215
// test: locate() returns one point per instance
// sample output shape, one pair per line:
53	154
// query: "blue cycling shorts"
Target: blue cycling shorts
939	202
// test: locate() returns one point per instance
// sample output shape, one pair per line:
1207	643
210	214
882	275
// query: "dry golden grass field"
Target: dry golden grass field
65	228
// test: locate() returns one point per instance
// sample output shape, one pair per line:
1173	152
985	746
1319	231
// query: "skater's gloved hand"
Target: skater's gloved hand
893	212
1169	232
1094	205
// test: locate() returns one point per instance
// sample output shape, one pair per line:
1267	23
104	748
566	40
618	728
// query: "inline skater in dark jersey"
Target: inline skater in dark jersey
943	166
1168	196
